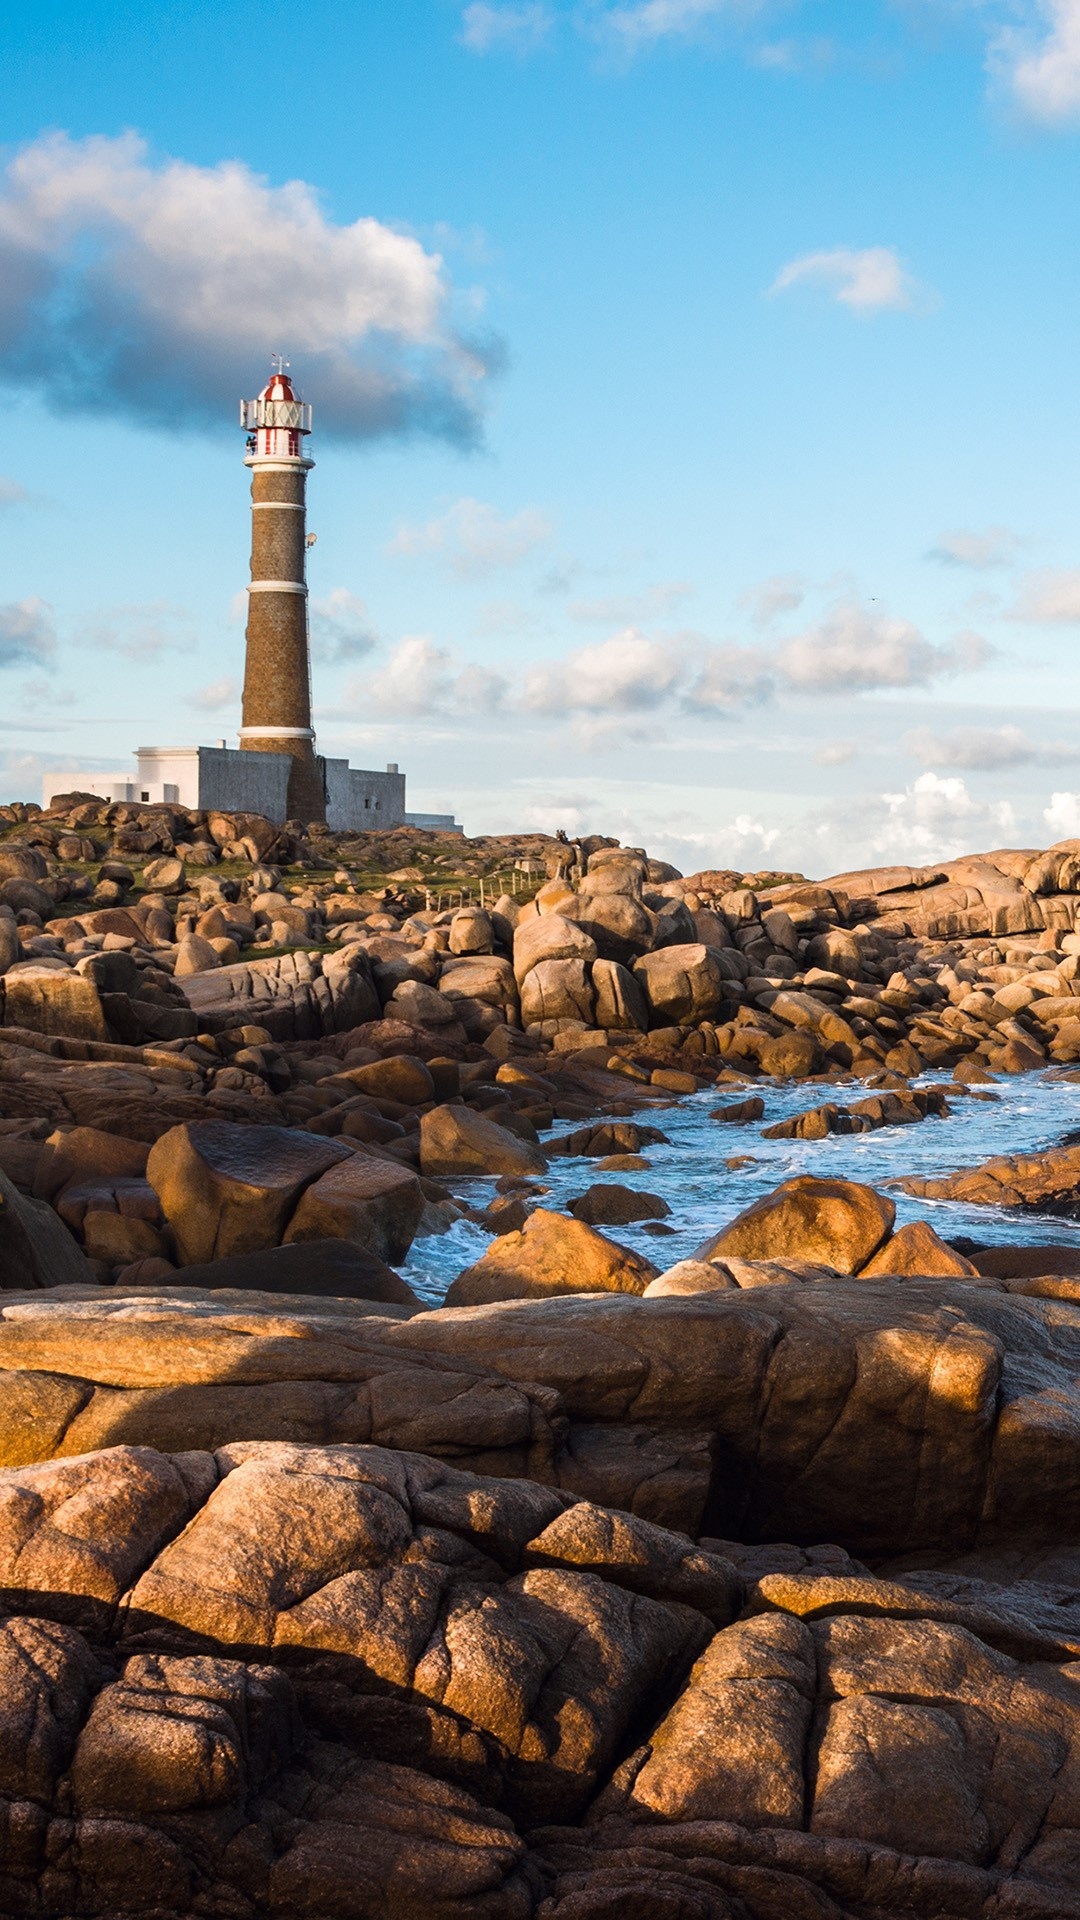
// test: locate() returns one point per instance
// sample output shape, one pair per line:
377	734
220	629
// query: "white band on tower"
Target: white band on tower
277	733
276	586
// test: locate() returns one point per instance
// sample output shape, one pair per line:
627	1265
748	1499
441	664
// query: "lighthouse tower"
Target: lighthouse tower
276	713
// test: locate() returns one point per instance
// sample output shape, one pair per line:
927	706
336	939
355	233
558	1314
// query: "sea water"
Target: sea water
1027	1114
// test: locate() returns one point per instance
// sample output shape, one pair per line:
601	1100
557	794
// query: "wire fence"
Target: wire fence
489	888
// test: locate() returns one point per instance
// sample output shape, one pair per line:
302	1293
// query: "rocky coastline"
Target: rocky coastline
600	1591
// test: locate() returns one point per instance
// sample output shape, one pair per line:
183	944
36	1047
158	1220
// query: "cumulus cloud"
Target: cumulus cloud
474	539
158	289
626	674
866	280
211	698
1049	597
856	649
726	677
963	548
985	749
852	650
505	29
935	818
420	679
1038	61
27	634
1062	816
340	628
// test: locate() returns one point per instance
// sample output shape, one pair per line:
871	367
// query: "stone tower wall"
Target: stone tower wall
277	672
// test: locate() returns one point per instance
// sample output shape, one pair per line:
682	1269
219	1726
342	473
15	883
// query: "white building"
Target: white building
229	780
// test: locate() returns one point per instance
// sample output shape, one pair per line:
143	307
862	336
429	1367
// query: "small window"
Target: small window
367	803
144	796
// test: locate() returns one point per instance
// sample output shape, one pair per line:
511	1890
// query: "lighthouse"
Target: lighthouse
275	771
276	710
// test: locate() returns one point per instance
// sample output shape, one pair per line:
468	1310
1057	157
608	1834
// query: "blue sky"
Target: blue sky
697	408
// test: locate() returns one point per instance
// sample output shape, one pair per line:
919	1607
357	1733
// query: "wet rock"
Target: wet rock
835	1223
550	1255
610	1205
594	1142
916	1248
1049	1181
740	1113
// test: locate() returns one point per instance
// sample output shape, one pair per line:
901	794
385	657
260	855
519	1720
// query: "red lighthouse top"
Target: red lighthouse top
276	421
278	387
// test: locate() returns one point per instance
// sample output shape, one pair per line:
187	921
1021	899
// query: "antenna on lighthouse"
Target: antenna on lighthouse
278	362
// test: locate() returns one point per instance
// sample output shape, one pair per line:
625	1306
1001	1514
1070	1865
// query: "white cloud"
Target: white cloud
985	749
1049	597
27	634
625	674
638	24
505	29
809	55
727	677
933	819
781	593
852	650
340	628
962	548
479	689
421	679
211	698
857	649
415	680
158	289
475	539
1039	61
11	493
867	280
1062	816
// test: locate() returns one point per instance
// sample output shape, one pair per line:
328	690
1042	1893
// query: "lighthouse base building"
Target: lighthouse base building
233	780
276	770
